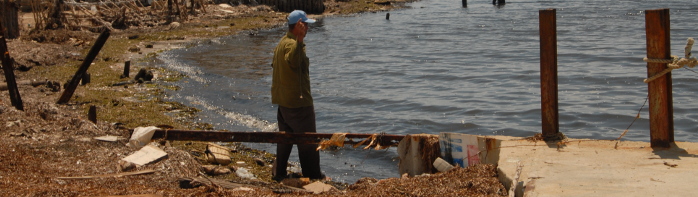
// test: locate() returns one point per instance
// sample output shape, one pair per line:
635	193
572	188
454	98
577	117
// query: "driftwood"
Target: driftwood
51	84
110	175
198	182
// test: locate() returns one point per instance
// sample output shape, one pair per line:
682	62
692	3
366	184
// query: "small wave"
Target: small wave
170	61
237	118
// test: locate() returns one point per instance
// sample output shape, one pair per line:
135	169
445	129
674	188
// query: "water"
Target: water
437	67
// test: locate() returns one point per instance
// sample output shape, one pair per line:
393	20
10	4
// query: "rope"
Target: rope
675	62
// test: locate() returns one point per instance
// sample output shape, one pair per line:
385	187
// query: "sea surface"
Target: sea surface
438	67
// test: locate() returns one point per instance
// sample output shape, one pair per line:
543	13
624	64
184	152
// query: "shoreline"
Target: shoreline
61	137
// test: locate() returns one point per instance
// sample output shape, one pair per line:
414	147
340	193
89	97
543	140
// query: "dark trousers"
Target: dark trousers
297	120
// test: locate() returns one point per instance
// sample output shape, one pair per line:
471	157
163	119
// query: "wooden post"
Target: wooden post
70	87
169	12
661	108
85	78
387	16
465	3
9	17
501	2
127	68
7	66
92	114
548	74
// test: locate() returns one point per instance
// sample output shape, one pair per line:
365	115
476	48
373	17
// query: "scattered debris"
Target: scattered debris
244	173
108	138
141	136
260	162
217	154
296	182
670	165
145	155
216	170
144	75
442	165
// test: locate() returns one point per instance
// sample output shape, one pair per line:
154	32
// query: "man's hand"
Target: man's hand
300	30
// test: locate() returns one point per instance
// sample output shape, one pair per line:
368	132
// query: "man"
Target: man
290	89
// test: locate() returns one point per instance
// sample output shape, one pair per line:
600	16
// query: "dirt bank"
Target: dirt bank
50	150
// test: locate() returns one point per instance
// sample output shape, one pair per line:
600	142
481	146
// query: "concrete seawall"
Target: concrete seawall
583	167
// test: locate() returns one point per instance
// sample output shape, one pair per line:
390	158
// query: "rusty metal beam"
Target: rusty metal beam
548	75
264	137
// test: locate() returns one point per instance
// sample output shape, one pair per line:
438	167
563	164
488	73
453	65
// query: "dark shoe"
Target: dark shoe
278	178
322	178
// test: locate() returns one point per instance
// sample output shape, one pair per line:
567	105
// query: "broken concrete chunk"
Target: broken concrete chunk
217	154
141	136
318	187
145	155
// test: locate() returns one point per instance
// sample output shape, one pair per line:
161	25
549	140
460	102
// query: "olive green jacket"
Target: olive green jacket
290	85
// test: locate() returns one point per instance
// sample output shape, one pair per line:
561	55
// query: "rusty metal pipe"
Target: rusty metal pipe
263	137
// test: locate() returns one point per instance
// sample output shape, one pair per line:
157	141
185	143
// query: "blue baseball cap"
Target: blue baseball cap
299	14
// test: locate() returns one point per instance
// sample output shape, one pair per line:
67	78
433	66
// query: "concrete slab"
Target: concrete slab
582	167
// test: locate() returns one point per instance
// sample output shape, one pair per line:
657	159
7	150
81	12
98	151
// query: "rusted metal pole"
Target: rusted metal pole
7	66
91	55
660	90
548	74
263	137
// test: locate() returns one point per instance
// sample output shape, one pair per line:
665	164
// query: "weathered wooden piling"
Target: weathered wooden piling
7	66
86	78
92	114
9	17
465	3
127	68
548	74
387	16
660	90
91	55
